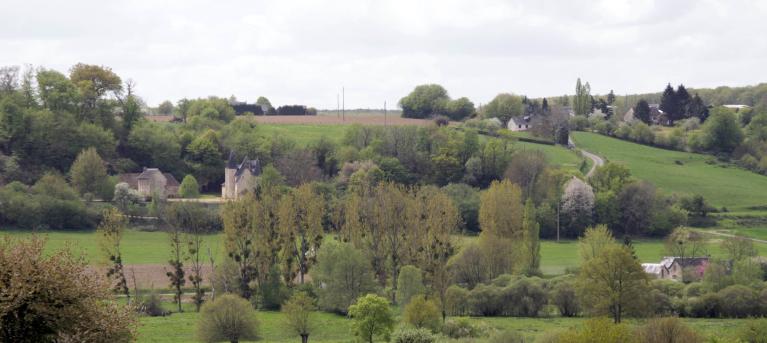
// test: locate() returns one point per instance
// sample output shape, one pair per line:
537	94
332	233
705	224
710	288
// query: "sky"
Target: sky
304	52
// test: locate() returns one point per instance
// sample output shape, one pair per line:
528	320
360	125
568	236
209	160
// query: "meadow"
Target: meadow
723	185
332	328
145	247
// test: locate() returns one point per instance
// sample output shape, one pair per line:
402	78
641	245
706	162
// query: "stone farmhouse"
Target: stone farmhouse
152	181
673	268
239	178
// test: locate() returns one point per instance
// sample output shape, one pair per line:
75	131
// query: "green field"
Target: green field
681	172
180	327
142	247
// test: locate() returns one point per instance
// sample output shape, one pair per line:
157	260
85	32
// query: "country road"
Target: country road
598	161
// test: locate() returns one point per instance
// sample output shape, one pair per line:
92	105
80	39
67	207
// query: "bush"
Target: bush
411	335
189	188
409	284
738	301
663	330
151	305
456	301
524	297
563	296
486	300
706	305
228	318
599	330
694	289
461	328
423	313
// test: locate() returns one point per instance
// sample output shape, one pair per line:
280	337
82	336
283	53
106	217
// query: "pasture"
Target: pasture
723	185
332	328
152	248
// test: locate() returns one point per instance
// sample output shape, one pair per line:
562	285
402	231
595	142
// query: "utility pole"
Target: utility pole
338	105
384	112
343	104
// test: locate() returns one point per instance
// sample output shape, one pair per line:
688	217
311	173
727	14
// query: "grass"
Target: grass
181	327
138	247
682	172
141	247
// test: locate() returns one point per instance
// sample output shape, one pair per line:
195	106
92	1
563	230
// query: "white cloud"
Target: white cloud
304	51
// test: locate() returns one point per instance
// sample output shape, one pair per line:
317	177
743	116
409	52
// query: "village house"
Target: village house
521	123
150	182
239	178
674	268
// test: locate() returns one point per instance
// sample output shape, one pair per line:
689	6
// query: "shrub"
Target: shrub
411	335
694	289
372	317
409	284
563	296
456	301
423	313
151	305
228	318
706	305
667	330
525	297
189	188
485	300
738	301
461	328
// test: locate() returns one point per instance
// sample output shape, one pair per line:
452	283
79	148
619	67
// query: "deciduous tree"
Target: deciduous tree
372	318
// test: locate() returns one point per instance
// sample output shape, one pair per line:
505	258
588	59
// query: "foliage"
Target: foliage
372	318
423	313
300	221
613	283
755	331
721	132
110	233
89	175
504	107
461	328
670	329
227	318
409	284
36	284
466	199
577	207
424	101
189	188
345	274
500	217
599	330
298	314
411	335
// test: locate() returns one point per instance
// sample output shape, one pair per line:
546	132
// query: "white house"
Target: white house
519	123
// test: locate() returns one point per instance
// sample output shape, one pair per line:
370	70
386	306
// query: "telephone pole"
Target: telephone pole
343	104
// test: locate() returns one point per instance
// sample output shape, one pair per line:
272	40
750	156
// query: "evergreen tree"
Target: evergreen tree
642	111
545	106
669	103
698	108
610	97
683	103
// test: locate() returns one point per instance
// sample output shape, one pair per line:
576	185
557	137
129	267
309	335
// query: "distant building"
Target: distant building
241	107
673	268
239	178
152	181
736	107
629	116
521	123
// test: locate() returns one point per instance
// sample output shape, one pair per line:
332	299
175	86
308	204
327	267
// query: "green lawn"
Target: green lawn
304	134
681	172
333	328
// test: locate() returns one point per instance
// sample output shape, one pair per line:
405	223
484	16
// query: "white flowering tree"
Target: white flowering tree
577	207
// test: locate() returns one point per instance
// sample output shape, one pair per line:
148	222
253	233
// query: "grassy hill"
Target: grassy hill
682	172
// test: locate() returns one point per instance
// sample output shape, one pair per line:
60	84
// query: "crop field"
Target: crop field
681	172
330	119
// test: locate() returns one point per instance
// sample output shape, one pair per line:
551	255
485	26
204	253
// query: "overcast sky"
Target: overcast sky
305	51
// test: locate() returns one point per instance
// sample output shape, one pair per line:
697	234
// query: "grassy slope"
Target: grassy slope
732	187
